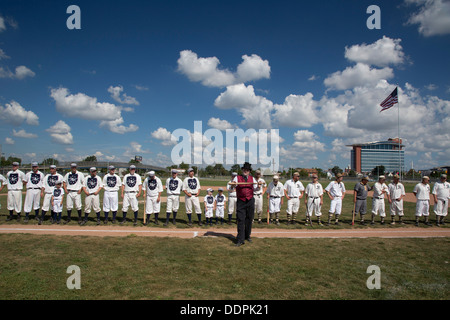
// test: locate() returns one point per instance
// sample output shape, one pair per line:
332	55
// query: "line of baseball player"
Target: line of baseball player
53	186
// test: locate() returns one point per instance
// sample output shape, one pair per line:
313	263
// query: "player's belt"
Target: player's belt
130	191
72	190
257	194
397	199
174	194
275	197
15	190
314	197
378	198
34	188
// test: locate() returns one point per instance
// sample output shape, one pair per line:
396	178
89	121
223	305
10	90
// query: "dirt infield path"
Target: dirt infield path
121	231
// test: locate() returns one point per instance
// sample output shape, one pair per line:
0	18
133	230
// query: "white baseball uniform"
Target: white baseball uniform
220	200
396	191
15	181
173	189
258	195
131	183
442	192
336	190
192	186
111	185
153	188
2	183
378	205
34	185
92	201
209	206
275	192
73	183
49	185
422	192
294	190
232	198
57	194
313	191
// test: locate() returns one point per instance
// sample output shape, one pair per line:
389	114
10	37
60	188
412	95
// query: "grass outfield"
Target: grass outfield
34	267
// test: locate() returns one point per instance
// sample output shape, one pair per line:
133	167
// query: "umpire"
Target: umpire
360	197
245	209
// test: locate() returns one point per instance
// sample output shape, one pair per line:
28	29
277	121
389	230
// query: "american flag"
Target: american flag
390	100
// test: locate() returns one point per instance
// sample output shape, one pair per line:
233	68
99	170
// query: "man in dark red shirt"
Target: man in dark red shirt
245	209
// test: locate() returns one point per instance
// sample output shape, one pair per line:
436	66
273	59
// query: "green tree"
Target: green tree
336	170
378	171
91	159
50	161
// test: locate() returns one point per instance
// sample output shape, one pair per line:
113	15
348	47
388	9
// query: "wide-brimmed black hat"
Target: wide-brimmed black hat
247	166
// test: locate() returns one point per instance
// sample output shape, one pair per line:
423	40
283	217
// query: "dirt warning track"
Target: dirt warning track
120	231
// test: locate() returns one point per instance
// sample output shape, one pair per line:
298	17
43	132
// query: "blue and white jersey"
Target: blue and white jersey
220	200
209	201
173	186
153	186
34	180
92	184
14	180
131	182
111	182
50	181
74	181
191	185
58	194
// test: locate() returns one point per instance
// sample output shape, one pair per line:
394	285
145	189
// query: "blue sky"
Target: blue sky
138	70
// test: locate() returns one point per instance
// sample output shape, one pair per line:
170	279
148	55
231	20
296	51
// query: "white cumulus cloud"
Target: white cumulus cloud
207	71
433	17
60	133
13	113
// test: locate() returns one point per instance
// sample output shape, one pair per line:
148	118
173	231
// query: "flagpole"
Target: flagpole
399	148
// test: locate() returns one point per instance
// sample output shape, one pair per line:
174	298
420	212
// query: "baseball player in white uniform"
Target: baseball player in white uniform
313	200
422	193
192	188
336	192
293	189
152	195
111	184
73	185
2	184
49	185
220	201
275	195
208	200
380	189
396	192
92	186
15	179
232	198
259	189
34	184
441	195
57	200
131	191
173	189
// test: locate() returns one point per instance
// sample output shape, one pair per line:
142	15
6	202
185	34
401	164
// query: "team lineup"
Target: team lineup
54	187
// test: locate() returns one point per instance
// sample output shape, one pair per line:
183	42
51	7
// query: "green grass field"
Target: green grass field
34	266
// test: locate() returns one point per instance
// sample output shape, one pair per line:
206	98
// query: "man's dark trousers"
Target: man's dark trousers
245	212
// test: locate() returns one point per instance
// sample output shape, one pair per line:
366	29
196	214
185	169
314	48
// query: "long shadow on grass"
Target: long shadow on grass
228	236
